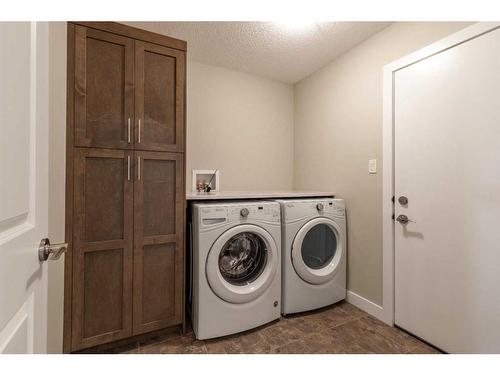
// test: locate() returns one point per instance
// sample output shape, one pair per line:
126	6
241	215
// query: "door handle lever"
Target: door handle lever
46	250
403	219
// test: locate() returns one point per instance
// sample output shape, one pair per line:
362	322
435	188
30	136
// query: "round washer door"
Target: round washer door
317	250
242	263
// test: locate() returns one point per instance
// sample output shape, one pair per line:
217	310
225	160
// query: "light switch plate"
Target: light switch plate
372	166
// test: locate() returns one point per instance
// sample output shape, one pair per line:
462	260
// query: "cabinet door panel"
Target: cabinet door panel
159	191
159	98
158	240
102	250
103	221
158	282
104	89
103	283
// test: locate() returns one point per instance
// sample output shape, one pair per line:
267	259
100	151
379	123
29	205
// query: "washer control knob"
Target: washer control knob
244	212
319	207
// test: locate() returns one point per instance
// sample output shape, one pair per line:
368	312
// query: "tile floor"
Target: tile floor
341	328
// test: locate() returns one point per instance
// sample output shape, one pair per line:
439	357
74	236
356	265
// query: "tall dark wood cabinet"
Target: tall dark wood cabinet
125	189
103	89
158	239
159	97
102	246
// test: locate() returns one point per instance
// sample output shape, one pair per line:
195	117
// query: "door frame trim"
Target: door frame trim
471	32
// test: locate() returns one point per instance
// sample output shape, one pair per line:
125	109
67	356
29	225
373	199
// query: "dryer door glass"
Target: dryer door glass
243	258
319	246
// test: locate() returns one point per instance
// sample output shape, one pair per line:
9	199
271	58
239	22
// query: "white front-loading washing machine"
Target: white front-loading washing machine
236	266
313	253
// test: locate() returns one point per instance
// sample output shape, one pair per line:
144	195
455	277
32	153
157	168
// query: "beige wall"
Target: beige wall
338	128
240	124
57	179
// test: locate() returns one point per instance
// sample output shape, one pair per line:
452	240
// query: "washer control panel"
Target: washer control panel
267	211
211	214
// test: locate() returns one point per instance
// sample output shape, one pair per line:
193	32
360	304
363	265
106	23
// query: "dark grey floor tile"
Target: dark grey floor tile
341	328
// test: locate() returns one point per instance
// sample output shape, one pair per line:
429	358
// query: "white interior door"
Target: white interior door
447	163
23	185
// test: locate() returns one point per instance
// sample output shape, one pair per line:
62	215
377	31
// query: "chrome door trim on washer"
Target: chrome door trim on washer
241	293
323	274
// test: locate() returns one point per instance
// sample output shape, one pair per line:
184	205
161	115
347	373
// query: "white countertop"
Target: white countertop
192	196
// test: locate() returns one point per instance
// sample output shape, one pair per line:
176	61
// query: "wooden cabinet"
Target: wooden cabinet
158	240
128	93
103	89
124	270
159	97
102	246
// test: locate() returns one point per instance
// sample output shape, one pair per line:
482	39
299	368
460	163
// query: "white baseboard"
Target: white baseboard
367	306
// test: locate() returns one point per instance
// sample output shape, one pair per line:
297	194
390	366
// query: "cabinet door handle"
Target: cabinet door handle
128	131
128	168
139	130
139	168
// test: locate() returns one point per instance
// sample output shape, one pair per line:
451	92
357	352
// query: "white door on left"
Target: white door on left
23	185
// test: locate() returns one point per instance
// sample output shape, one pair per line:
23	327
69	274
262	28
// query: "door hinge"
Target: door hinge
392	199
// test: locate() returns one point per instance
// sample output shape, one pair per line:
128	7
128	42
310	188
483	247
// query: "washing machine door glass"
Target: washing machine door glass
243	258
242	263
317	250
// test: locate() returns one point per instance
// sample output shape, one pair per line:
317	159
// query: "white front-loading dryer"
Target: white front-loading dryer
236	267
314	253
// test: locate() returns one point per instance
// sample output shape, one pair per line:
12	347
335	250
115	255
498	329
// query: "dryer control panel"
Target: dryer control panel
298	209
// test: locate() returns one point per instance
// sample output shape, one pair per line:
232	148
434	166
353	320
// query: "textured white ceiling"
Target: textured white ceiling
269	49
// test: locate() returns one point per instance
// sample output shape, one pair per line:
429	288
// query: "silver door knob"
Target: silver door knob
244	212
403	219
46	250
403	201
